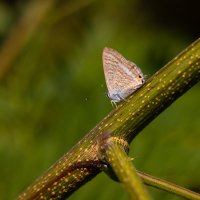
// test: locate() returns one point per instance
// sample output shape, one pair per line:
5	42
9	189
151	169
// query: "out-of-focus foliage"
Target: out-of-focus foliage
54	91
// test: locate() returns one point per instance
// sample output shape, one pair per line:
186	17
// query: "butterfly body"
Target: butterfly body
123	77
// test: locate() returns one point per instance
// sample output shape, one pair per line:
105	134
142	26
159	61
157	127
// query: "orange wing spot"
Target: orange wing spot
139	78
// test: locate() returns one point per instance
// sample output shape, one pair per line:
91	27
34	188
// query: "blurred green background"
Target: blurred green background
52	87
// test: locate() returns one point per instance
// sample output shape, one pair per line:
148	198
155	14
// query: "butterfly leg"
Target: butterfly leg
113	103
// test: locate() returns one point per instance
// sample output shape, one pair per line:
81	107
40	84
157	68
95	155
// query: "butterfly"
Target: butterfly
123	77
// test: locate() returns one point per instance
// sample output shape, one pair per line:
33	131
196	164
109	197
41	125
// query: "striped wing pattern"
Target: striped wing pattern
123	77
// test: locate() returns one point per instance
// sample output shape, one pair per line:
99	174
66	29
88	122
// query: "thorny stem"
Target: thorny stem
125	122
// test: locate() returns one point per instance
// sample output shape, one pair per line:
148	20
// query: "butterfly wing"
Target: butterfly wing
122	76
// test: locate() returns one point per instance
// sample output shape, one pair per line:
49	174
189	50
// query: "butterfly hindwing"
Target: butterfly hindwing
122	76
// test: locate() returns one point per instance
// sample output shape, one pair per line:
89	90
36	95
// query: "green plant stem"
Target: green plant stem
34	14
167	186
67	9
83	161
115	155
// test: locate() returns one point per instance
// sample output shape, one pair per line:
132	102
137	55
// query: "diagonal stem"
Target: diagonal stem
160	91
167	186
34	14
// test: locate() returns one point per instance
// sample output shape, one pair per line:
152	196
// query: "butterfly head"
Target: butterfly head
139	77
